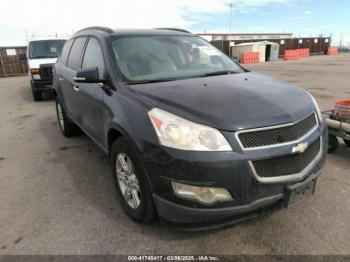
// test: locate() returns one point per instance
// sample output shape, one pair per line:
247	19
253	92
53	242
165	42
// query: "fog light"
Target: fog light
205	195
36	77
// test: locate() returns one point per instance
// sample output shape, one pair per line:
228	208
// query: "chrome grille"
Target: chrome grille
287	165
268	136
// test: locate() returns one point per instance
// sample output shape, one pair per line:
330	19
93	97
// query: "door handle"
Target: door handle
76	88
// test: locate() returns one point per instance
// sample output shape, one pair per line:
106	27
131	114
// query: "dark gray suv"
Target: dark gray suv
192	137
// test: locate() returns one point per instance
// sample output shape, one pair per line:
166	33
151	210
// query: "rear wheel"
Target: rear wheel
333	143
347	142
68	128
130	182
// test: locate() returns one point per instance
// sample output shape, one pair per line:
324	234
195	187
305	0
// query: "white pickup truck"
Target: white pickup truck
41	55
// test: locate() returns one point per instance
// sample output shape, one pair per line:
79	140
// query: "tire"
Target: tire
141	208
67	127
333	144
36	95
347	142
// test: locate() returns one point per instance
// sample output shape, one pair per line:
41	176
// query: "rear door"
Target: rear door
70	89
60	70
91	94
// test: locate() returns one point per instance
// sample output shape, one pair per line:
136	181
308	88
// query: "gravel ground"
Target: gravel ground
56	194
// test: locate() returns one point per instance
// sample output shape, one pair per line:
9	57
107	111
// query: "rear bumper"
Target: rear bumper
41	85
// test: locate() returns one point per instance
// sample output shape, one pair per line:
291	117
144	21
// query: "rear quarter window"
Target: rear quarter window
74	59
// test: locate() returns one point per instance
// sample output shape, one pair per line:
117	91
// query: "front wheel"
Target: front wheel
333	143
130	182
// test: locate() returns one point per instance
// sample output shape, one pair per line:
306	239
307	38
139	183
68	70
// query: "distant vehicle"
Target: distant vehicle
42	54
191	135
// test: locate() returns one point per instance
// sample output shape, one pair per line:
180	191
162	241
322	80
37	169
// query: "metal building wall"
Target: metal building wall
317	45
13	61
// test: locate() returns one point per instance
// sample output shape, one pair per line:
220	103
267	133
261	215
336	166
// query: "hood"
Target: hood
230	102
35	63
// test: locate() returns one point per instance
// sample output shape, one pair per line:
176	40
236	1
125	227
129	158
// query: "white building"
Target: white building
243	36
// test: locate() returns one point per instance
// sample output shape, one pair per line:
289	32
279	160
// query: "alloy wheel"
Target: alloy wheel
60	115
127	180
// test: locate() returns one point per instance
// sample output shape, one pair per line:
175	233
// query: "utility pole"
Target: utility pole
230	5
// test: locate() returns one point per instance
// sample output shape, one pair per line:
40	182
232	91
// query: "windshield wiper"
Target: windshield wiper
218	73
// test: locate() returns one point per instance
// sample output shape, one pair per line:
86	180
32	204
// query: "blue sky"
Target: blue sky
23	19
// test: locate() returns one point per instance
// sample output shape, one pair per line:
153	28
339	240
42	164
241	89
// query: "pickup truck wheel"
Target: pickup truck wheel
68	128
36	95
130	182
347	142
333	144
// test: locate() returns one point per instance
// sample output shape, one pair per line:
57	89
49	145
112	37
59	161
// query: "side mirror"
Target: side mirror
87	75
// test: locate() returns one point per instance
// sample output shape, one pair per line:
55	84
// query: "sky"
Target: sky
21	19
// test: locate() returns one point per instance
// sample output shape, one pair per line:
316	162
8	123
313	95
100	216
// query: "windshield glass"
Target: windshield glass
45	48
152	58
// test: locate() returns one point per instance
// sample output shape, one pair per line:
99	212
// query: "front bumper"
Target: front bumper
41	85
196	219
229	170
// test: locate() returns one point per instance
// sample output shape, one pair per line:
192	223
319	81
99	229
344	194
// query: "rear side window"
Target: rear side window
74	58
93	57
65	52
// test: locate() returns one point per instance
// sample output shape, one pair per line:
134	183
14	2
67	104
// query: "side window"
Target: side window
74	58
65	51
93	57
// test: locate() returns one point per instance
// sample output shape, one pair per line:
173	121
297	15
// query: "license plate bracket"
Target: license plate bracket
299	192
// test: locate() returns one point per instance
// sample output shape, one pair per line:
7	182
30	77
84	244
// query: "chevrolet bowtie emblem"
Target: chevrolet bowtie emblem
300	148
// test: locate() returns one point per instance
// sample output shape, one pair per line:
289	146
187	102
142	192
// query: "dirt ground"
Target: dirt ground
56	194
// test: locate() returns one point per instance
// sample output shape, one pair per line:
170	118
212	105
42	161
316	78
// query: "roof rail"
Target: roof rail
174	29
101	28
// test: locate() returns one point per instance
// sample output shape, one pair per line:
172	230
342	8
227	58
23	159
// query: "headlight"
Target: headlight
319	113
179	133
36	77
35	73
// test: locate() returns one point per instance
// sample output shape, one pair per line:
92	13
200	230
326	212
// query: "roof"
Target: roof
156	31
149	32
258	43
46	38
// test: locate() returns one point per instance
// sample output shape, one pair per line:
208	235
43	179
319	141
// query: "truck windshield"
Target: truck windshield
45	48
143	59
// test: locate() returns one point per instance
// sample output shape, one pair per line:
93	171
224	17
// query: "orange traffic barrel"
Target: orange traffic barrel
342	108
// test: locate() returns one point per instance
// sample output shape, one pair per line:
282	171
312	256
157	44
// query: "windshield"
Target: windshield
45	48
152	58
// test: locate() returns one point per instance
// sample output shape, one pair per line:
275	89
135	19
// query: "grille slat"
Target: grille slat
288	165
278	135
